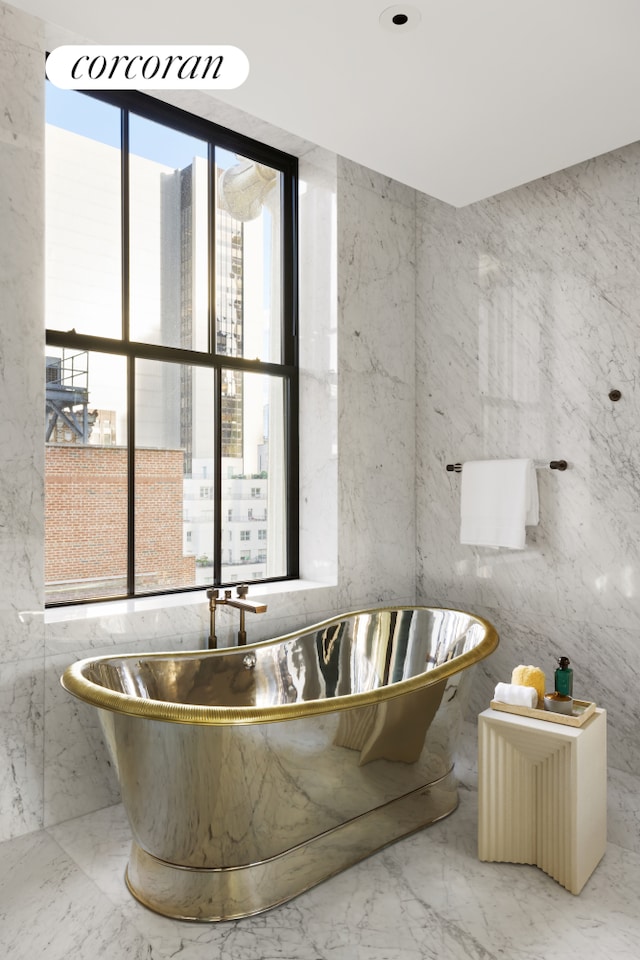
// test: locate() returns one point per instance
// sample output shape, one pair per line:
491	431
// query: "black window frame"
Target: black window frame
143	105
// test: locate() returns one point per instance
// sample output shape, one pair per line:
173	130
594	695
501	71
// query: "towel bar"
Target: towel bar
554	465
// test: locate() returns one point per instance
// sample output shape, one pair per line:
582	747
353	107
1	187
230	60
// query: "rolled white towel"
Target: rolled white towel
516	694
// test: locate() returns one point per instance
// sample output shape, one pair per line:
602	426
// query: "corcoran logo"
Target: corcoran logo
132	67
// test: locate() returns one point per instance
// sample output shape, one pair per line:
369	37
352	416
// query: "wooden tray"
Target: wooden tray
582	710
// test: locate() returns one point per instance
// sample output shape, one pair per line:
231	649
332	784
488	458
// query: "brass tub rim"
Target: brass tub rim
74	681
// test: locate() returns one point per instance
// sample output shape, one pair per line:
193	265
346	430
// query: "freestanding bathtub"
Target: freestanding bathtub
250	774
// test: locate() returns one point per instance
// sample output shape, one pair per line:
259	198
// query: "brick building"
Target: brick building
86	521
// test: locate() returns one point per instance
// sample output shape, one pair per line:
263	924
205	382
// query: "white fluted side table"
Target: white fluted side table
542	794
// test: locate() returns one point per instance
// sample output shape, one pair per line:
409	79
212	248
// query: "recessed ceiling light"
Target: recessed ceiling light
401	18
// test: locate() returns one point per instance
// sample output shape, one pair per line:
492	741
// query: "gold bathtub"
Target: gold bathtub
250	774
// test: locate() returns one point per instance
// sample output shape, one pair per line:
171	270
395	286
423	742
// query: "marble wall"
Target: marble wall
527	307
357	506
21	446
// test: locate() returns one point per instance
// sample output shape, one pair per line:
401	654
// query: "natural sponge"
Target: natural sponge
528	676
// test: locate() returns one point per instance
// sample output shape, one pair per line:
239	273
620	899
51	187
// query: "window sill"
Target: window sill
113	608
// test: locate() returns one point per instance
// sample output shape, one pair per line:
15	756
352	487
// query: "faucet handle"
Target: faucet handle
242	590
212	594
227	594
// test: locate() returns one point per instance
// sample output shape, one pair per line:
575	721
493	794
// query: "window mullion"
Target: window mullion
292	474
211	233
217	375
131	363
131	476
124	220
217	489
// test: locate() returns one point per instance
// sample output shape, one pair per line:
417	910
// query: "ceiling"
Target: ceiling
477	97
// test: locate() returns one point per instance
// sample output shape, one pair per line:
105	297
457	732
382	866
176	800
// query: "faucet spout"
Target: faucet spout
244	606
240	603
247	606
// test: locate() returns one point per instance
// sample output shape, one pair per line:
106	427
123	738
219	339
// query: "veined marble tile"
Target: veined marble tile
153	626
21	630
22	115
623	815
319	399
376	395
376	288
355	176
99	843
21	747
517	910
603	665
21	447
22	28
424	897
582	556
21	361
377	534
78	773
526	321
357	913
50	909
157	624
21	551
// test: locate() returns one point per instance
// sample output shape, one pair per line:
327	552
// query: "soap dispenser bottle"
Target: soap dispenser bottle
564	677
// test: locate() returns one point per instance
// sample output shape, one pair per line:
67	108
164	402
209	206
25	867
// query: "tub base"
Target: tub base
214	894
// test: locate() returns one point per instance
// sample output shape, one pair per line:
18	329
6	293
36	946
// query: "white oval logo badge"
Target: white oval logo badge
147	67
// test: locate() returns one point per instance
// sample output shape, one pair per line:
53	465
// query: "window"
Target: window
171	349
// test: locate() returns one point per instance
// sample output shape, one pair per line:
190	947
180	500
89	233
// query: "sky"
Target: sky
100	121
92	118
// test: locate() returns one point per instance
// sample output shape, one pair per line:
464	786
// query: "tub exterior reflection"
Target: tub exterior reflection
247	783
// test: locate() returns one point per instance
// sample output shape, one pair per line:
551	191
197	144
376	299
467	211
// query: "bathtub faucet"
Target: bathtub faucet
240	602
243	605
214	599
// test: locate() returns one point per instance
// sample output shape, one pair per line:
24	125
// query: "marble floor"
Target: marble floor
62	897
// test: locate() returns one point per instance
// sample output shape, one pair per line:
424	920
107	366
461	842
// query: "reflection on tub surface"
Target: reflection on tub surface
391	730
250	774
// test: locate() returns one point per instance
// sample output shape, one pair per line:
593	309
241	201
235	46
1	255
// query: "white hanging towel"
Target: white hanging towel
498	499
